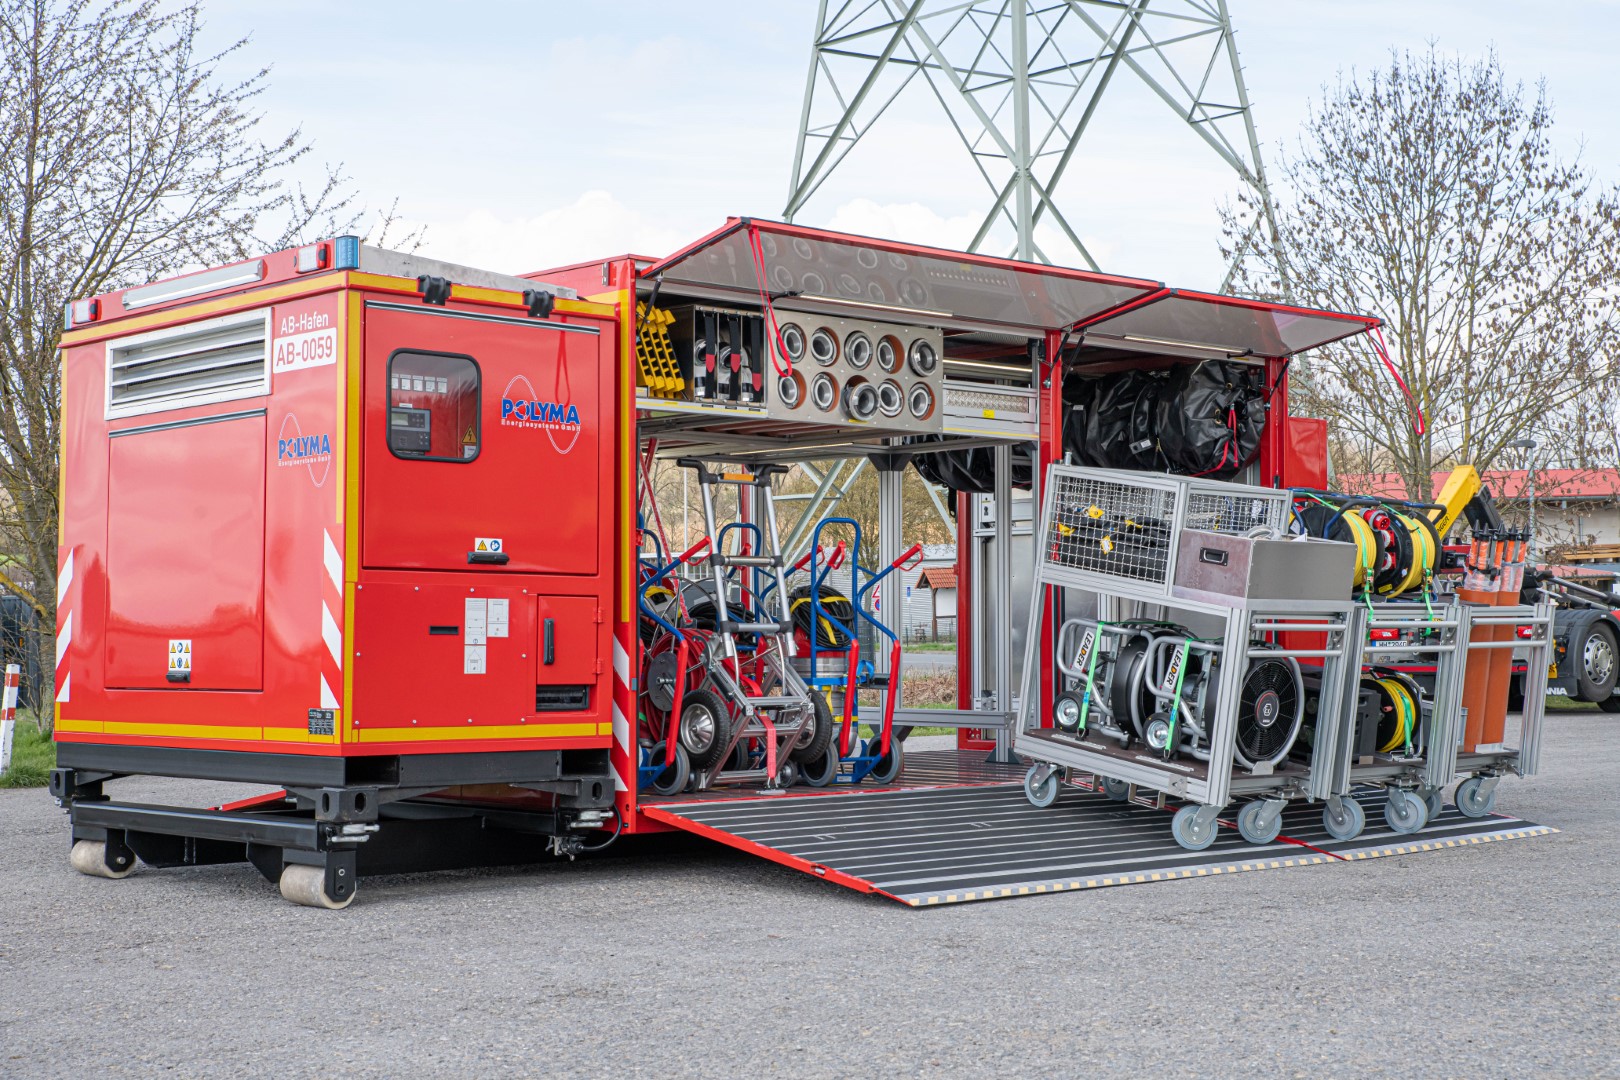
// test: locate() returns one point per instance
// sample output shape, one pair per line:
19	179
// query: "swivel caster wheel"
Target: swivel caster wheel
887	770
672	781
1118	790
1042	793
1405	812
1344	819
91	857
306	885
820	772
787	775
1192	829
1473	799
1435	802
1259	824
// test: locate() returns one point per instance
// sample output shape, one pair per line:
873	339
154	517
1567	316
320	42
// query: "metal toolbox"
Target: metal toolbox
1109	527
1217	566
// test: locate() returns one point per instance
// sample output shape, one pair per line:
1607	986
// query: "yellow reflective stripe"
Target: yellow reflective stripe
502	731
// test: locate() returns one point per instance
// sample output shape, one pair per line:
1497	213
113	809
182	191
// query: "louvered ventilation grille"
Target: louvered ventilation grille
194	365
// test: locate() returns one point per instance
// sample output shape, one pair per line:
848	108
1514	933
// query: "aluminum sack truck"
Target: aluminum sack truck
331	522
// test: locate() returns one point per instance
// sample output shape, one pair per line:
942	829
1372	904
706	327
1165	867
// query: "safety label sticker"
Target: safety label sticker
472	659
476	620
487	543
322	721
498	618
180	654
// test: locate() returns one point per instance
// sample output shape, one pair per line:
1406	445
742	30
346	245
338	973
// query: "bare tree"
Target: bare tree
1429	193
125	156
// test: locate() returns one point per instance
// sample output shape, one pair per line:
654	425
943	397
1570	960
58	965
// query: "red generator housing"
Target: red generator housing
331	522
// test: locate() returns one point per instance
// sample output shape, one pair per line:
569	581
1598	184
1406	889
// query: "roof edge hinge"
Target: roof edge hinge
539	302
434	290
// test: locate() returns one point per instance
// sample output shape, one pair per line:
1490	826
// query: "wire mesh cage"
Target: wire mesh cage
1124	525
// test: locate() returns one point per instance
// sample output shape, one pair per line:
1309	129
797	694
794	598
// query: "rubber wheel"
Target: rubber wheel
1249	829
787	774
306	885
1348	823
89	857
1610	704
1044	793
704	729
1066	711
1185	829
1405	812
813	741
1469	802
1435	802
672	781
1597	662
1118	790
820	773
887	770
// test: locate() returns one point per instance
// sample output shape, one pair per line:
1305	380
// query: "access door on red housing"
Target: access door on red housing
482	441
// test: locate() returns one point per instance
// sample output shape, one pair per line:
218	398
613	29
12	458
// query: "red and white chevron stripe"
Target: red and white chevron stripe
8	713
332	622
64	621
623	752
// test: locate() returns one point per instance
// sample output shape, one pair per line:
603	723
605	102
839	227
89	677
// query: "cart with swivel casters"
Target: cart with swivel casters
764	715
1393	733
1177	722
850	759
1480	770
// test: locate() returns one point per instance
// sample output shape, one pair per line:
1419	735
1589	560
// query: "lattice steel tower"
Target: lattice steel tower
1020	82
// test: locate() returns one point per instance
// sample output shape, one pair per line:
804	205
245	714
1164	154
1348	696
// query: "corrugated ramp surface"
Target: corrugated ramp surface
926	846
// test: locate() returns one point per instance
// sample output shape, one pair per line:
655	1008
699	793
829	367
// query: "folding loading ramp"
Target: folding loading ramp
952	831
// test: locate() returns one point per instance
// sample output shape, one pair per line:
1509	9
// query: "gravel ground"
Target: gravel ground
676	957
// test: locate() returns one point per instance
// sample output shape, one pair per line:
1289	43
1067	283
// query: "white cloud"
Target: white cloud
595	225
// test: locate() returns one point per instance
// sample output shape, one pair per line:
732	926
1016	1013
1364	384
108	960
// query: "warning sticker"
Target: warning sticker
180	654
475	619
498	618
487	543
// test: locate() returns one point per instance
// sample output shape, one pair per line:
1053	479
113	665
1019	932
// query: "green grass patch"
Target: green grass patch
1560	703
930	646
33	756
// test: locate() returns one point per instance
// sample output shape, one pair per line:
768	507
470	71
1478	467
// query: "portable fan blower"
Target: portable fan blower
1271	707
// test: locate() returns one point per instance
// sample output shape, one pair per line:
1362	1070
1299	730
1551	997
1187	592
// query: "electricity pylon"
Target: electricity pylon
1020	82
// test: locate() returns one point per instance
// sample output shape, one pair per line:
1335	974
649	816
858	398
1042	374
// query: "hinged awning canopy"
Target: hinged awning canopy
1198	323
858	277
815	270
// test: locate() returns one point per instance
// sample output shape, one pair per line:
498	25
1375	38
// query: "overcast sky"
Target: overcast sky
533	134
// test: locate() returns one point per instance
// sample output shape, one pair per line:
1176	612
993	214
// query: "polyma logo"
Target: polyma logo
521	408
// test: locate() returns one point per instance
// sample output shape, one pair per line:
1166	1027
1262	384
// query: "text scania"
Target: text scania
540	414
303	450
